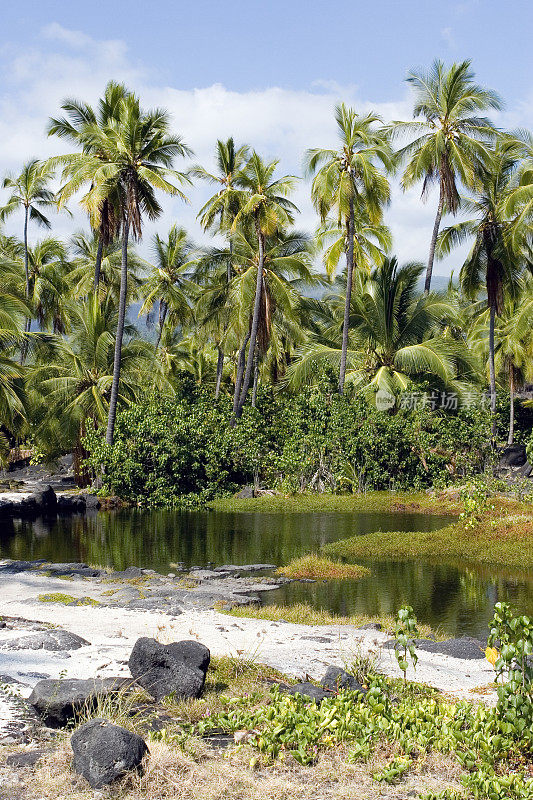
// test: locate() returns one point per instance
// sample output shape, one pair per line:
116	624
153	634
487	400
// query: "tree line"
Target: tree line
268	304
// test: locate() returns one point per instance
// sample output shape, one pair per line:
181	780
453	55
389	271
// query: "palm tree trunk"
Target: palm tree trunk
256	382
98	264
220	367
240	372
162	318
220	362
510	438
27	322
255	322
348	300
433	244
120	333
492	375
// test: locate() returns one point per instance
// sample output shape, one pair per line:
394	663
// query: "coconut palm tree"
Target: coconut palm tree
127	160
493	262
73	128
221	209
29	193
264	205
169	285
450	139
49	287
74	384
14	310
395	336
513	357
287	268
347	178
84	249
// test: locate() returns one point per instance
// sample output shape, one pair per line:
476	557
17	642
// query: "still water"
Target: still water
457	599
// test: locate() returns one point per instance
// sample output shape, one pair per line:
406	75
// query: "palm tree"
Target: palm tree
348	178
451	138
287	268
49	287
492	263
264	206
128	159
396	335
513	358
30	193
221	209
84	251
14	310
169	284
73	128
74	384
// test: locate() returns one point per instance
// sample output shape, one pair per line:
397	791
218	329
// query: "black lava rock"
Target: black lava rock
337	678
308	691
465	647
45	498
58	700
162	669
54	640
193	654
27	759
104	752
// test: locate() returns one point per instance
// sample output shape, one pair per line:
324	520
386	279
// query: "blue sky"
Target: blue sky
267	72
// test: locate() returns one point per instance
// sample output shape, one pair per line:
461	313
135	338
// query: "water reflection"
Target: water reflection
457	599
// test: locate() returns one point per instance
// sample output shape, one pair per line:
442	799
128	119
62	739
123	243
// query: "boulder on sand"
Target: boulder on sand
178	668
59	700
104	752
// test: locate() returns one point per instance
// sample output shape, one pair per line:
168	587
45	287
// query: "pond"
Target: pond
457	599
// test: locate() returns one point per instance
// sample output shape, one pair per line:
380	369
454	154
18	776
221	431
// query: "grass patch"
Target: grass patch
67	599
304	614
320	568
502	537
379	502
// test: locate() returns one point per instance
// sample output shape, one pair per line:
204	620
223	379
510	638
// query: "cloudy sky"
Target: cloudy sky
269	73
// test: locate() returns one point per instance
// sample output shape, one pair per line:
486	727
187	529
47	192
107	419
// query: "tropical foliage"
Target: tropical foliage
315	362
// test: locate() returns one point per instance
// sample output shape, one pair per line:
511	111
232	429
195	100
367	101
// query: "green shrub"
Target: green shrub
185	450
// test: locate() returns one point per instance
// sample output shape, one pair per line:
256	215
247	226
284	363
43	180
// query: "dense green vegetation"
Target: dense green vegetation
257	370
184	450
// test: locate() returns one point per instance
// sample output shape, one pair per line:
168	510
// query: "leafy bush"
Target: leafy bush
185	450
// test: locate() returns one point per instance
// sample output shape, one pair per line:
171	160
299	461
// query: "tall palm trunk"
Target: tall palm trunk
27	322
433	243
163	308
220	362
348	300
120	333
256	381
98	263
492	374
255	321
240	373
510	438
220	367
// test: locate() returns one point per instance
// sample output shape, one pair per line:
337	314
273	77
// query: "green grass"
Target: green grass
67	599
304	614
384	502
320	568
499	540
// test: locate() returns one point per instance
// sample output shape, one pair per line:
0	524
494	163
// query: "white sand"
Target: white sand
112	632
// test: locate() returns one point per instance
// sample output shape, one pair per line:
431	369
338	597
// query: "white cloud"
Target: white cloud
279	123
